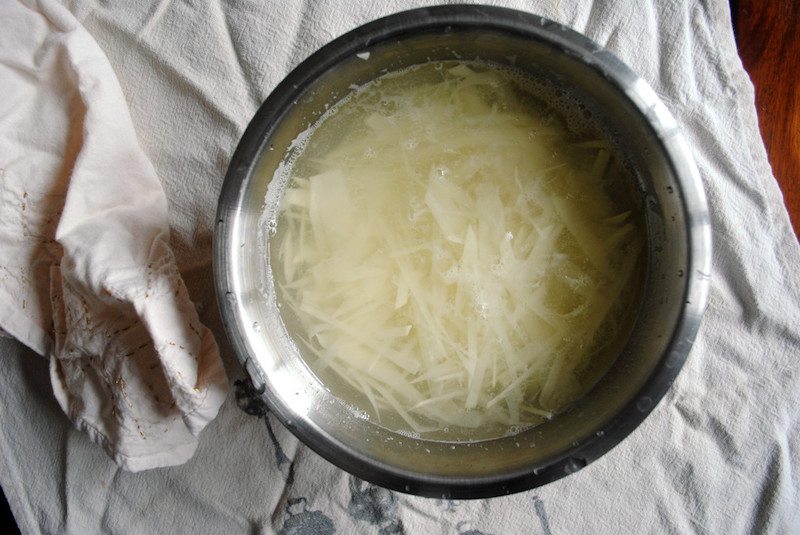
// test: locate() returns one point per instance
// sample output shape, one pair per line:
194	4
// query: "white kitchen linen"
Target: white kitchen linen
87	276
718	455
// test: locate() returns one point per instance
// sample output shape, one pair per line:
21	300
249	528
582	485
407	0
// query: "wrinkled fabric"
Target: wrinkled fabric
89	279
719	454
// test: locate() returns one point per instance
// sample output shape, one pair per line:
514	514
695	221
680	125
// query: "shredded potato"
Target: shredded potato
453	252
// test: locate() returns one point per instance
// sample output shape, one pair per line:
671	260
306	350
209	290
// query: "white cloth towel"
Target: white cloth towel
719	454
87	276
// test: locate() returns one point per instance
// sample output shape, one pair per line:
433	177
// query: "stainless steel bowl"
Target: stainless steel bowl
678	261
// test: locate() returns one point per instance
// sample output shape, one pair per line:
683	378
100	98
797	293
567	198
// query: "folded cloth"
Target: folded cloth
87	276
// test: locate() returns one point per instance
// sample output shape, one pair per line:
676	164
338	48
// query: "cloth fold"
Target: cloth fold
90	280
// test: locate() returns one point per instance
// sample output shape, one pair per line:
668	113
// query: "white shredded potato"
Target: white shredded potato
453	251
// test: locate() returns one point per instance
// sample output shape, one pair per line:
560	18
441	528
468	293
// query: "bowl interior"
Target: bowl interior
636	123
